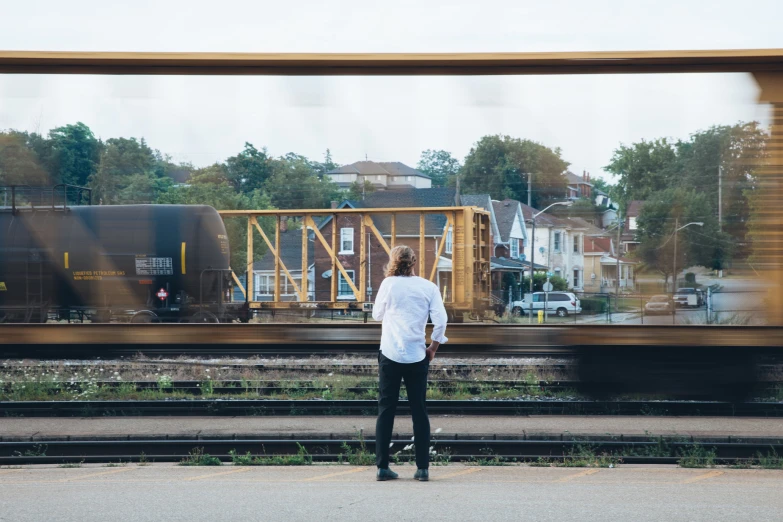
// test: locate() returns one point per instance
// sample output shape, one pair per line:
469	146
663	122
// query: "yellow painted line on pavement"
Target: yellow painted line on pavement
705	476
459	473
330	475
210	475
91	475
578	475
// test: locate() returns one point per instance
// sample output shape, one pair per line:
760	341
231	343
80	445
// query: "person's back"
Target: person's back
403	304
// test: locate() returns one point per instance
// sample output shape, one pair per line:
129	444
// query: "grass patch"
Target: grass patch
356	457
197	457
770	460
71	465
39	450
697	456
302	458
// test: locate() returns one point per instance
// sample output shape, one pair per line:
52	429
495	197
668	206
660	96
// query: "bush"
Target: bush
690	277
593	305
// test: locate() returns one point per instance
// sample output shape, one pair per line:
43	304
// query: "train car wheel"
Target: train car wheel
203	317
145	317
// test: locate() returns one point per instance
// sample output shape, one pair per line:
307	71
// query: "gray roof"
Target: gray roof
410	198
575	179
484	201
290	252
505	213
391	168
504	262
543	220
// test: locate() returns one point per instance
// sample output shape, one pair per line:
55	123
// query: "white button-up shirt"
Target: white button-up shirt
403	305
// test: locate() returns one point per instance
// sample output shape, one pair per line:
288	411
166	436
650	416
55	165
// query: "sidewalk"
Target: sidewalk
443	427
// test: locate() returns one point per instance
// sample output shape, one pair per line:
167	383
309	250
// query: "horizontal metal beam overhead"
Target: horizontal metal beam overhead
610	62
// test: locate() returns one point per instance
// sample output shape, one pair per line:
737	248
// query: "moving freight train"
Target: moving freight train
143	263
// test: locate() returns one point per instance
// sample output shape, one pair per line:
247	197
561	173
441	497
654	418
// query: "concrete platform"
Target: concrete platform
348	493
443	427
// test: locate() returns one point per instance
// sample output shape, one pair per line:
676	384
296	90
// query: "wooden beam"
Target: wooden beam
249	268
333	254
422	246
305	268
368	221
393	239
276	293
386	64
449	224
239	284
363	261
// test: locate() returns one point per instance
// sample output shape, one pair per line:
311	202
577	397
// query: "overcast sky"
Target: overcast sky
206	119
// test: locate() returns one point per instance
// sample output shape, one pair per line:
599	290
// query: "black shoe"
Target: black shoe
422	475
385	474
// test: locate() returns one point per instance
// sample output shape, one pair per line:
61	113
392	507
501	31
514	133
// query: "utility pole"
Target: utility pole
532	264
529	189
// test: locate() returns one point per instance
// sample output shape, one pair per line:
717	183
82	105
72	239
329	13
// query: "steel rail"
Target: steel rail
607	62
498	451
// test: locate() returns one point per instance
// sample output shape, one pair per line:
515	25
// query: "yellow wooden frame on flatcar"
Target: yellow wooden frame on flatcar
471	281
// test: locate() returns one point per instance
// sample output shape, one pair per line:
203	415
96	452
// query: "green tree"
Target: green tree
439	165
295	184
500	165
19	165
75	153
126	173
222	196
357	191
250	169
643	168
702	246
326	165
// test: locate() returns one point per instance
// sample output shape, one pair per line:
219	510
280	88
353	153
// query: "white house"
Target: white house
559	244
383	175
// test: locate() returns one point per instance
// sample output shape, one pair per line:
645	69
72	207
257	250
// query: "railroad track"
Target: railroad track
479	451
261	407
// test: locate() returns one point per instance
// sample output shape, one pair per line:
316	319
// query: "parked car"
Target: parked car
558	303
659	304
688	297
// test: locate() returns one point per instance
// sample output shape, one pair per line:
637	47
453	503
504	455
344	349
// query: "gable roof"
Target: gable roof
598	245
582	224
389	168
543	220
506	212
634	208
484	201
574	179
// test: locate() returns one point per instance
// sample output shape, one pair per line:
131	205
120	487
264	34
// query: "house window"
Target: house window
408	178
557	241
576	244
631	223
576	278
514	248
343	289
265	284
378	177
449	242
346	241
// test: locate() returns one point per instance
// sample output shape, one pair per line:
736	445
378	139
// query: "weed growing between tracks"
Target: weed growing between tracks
302	458
697	456
357	457
197	457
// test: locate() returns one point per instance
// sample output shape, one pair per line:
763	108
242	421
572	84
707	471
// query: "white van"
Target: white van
559	303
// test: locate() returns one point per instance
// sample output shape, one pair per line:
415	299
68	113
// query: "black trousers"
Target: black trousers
390	375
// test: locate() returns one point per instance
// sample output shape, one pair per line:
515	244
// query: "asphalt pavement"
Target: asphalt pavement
348	493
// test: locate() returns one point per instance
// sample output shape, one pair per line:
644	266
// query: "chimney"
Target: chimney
584	175
334	204
284	224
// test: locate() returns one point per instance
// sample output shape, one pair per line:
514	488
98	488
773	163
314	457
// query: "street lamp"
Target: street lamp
674	267
533	251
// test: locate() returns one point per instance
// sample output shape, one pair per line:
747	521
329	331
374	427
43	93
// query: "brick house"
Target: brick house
579	187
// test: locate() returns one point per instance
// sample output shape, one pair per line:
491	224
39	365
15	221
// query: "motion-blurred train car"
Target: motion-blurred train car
145	263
